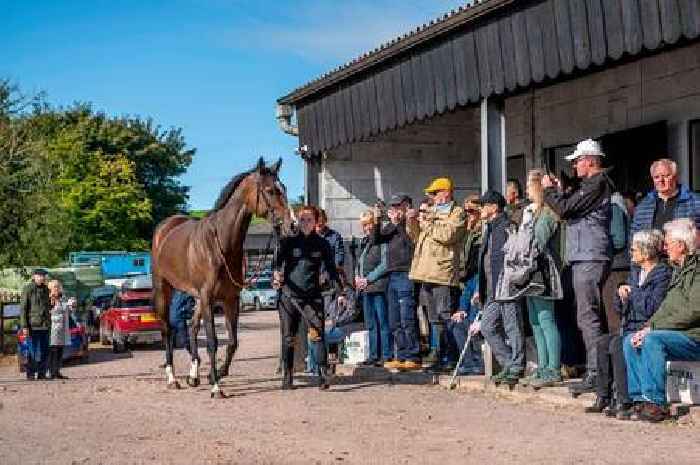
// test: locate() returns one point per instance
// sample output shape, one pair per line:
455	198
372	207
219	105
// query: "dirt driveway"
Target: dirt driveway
116	410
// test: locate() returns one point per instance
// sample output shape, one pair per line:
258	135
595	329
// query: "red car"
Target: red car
130	320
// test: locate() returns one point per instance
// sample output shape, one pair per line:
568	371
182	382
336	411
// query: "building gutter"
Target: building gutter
284	114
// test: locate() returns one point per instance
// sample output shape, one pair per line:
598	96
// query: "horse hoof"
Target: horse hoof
217	395
192	382
174	385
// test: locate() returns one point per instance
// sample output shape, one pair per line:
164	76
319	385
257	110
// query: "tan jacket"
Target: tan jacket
438	247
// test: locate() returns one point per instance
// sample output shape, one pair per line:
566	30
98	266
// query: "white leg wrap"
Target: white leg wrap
194	369
215	389
169	374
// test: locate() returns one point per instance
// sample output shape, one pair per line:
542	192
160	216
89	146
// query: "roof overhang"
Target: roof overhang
493	48
397	47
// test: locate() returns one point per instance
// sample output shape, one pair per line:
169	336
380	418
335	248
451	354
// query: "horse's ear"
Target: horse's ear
276	167
261	165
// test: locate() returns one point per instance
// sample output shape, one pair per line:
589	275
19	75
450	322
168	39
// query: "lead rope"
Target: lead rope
228	270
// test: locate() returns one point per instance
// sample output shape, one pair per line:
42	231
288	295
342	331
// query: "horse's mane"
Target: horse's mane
233	184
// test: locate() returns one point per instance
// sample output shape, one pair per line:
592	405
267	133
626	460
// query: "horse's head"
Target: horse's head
270	199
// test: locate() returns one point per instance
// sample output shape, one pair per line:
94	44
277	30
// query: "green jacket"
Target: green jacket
680	309
35	307
470	254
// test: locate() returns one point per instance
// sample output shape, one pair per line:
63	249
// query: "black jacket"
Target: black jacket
492	242
300	259
35	307
400	252
587	211
644	300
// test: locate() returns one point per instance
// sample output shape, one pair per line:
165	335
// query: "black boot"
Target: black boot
288	381
624	411
600	404
436	365
323	379
288	364
588	384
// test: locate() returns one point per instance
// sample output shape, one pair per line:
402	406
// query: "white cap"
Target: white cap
586	147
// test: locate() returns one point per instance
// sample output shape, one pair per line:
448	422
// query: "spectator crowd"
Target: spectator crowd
608	280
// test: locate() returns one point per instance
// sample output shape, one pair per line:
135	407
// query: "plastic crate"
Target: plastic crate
356	347
683	382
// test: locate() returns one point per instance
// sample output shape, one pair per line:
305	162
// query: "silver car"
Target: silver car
259	296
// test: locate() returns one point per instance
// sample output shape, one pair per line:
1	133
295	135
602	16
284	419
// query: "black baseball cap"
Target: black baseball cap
399	198
40	271
493	197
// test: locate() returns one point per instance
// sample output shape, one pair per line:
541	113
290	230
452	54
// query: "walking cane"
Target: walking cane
464	351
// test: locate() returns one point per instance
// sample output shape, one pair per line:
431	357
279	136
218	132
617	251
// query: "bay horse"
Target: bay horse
204	258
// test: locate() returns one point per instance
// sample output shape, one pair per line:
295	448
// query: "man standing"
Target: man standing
297	273
587	212
500	320
35	321
401	304
668	201
438	237
333	237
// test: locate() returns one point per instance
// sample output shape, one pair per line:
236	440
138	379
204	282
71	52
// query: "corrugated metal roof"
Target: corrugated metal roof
400	44
531	42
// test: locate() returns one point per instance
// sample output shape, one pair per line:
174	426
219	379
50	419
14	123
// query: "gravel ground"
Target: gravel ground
116	410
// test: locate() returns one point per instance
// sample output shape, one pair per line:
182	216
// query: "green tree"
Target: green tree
75	179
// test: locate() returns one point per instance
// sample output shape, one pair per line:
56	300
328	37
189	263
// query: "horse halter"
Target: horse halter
271	215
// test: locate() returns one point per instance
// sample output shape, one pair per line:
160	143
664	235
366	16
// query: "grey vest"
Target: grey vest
370	258
588	238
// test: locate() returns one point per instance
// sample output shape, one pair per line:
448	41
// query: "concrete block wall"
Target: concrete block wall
662	87
352	177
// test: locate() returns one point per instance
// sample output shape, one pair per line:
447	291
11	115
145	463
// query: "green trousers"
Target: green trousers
544	327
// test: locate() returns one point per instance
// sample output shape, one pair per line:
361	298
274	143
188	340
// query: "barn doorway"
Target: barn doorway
630	153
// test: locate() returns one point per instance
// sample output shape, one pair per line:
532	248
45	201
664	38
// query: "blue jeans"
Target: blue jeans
377	324
646	366
332	336
457	334
402	316
38	360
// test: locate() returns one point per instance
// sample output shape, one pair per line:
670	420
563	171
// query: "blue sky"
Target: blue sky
211	67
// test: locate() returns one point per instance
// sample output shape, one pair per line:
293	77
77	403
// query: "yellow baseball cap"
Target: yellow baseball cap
439	184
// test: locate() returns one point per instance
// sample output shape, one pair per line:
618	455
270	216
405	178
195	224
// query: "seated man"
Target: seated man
458	327
673	333
341	314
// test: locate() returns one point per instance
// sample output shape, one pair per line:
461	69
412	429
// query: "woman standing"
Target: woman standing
371	280
540	308
60	331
